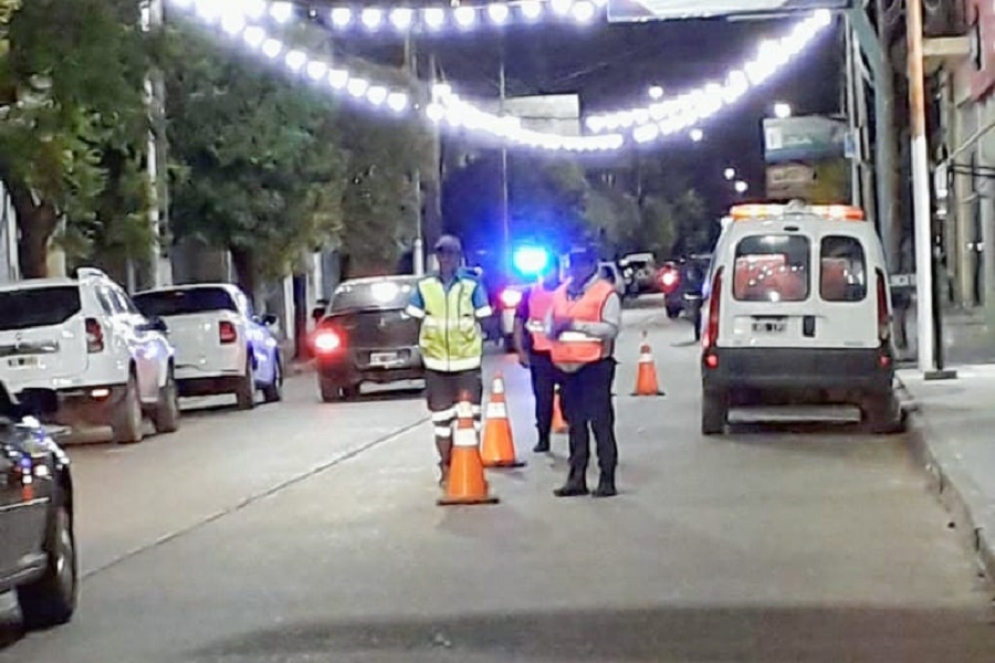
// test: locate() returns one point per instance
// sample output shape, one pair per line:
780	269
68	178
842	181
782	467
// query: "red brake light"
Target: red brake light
94	336
669	278
327	341
712	330
227	332
511	298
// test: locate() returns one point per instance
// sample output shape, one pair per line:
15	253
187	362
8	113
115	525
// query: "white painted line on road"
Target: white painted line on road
314	471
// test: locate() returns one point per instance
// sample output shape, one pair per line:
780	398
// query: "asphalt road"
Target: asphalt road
307	532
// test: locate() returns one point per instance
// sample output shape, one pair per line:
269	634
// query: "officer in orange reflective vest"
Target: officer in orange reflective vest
583	323
534	352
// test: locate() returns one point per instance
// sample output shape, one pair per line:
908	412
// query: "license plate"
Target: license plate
22	362
384	358
770	326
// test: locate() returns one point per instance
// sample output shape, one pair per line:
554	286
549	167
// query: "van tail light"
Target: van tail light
94	336
711	334
226	332
884	321
326	342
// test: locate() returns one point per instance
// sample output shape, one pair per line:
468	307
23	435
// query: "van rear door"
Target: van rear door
847	306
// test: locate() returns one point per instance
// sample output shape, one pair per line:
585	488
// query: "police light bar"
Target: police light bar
754	212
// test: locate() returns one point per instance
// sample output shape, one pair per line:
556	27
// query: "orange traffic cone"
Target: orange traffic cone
559	423
646	382
466	484
498	448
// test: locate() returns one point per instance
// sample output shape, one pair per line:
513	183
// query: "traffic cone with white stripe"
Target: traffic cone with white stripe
467	484
646	380
498	448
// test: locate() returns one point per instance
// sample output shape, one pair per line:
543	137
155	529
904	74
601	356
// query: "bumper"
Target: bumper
91	406
363	365
796	371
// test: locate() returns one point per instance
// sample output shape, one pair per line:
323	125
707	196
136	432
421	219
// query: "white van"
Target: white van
798	310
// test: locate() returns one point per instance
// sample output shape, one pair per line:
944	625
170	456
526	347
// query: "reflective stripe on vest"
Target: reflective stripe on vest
576	347
540	302
451	339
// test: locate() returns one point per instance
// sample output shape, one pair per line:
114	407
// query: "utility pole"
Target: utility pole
851	80
160	272
505	222
921	198
418	246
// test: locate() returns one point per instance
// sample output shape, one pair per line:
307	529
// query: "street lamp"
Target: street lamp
742	187
697	135
730	174
656	92
782	110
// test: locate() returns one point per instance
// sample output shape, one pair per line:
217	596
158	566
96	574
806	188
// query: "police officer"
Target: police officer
583	323
450	304
533	348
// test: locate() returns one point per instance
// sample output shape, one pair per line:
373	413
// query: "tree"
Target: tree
257	166
70	91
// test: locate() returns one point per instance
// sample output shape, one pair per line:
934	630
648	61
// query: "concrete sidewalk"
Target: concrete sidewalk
953	426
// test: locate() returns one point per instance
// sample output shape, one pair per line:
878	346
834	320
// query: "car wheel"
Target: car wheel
245	393
351	392
273	392
126	423
508	343
166	417
330	391
51	599
882	414
714	413
673	312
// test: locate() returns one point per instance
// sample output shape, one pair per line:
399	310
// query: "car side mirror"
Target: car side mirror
269	319
37	402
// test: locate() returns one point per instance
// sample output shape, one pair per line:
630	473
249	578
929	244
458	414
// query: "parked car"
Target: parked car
37	541
640	271
85	338
682	283
365	335
222	347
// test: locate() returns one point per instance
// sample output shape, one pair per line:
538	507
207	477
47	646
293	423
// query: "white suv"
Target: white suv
85	339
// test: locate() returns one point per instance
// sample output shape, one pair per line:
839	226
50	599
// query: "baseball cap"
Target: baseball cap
448	243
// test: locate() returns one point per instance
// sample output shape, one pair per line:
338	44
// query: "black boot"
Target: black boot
542	446
606	485
575	486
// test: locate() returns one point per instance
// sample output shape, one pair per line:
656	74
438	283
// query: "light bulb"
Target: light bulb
341	17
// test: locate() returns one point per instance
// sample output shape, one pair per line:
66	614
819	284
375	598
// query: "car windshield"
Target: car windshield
366	295
184	301
38	307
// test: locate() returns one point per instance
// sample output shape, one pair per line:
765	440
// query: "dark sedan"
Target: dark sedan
37	544
366	336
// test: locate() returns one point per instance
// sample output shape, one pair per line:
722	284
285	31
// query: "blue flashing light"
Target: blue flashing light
531	260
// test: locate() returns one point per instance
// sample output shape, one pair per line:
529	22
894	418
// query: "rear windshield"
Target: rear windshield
376	295
164	303
772	268
844	270
38	307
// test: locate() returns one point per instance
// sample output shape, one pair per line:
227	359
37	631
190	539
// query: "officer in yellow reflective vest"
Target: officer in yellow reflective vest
450	305
533	348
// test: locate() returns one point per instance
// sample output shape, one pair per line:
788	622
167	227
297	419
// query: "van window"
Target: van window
843	275
38	307
184	301
772	268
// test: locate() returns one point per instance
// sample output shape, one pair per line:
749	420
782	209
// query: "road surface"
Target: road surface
305	532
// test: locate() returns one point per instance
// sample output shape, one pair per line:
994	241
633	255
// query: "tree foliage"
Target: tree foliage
71	93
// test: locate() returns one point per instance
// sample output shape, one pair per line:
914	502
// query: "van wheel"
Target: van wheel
882	414
273	392
245	393
126	422
51	599
714	412
166	417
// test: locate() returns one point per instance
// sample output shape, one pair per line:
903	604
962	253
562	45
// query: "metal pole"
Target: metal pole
921	193
153	19
505	223
418	246
850	80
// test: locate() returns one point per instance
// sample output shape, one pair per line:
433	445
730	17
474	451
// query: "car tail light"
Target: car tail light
669	278
511	298
884	320
327	341
711	334
94	336
227	332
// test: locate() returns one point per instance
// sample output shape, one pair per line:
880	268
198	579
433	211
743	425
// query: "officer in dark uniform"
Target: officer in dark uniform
533	348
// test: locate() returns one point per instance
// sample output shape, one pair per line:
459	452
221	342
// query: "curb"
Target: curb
953	486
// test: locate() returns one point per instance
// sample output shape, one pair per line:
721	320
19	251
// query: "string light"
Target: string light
680	114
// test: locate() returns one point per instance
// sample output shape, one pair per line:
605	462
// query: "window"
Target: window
372	295
38	307
772	268
164	303
843	270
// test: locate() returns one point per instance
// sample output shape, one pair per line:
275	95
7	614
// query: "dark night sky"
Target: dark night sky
612	65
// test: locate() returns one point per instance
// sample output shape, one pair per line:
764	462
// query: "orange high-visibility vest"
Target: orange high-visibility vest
540	302
576	347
